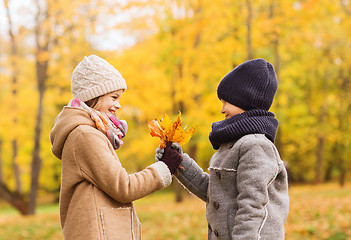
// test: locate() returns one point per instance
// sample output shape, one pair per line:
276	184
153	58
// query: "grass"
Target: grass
320	212
44	225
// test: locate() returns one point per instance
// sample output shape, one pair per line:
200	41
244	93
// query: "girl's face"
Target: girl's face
109	103
229	110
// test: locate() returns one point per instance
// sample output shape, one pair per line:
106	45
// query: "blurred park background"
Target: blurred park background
173	53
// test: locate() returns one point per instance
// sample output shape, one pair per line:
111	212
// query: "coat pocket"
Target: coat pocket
223	183
117	223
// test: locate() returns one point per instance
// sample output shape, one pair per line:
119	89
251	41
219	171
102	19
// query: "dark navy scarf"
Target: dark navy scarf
249	122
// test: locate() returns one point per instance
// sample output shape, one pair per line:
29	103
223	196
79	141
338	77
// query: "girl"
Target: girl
96	191
246	190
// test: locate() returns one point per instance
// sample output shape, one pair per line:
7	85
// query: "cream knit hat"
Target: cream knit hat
94	77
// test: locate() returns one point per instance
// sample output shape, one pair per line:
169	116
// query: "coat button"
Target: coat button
216	233
216	205
209	228
218	174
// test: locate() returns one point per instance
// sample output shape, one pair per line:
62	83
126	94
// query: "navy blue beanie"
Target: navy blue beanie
251	85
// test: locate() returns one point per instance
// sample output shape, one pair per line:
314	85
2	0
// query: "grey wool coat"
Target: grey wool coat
246	192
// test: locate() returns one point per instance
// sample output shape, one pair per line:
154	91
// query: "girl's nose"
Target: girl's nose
117	105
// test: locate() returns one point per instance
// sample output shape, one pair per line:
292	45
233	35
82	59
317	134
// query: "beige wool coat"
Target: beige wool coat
97	193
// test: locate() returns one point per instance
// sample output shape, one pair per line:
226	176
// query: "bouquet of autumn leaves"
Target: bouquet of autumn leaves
170	132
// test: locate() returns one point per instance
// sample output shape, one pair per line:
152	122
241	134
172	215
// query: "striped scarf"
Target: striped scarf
108	124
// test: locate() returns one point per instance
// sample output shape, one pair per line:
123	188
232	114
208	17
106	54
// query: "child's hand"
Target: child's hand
172	158
177	147
160	151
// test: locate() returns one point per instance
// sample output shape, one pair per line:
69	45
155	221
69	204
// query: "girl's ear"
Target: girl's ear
93	102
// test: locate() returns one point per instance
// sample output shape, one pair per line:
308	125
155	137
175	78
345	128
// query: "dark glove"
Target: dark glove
160	151
172	158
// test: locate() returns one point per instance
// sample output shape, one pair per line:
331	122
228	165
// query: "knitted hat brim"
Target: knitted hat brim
101	90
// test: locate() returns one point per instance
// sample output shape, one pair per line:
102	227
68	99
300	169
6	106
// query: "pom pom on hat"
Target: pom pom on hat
251	85
94	77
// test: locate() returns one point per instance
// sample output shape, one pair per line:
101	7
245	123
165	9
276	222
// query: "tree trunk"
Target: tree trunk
14	198
42	67
342	177
319	162
1	164
328	172
15	167
178	189
14	81
42	75
275	43
340	162
36	160
321	135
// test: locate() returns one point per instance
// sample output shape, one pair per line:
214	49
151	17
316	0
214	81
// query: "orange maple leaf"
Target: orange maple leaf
170	132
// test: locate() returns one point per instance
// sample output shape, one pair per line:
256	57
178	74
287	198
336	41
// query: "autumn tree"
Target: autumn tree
177	52
198	42
51	29
14	197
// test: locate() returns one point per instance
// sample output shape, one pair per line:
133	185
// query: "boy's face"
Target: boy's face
229	110
109	103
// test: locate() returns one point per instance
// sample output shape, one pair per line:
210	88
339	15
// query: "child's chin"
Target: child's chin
111	113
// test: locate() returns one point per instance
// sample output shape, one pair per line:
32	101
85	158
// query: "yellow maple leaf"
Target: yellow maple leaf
170	132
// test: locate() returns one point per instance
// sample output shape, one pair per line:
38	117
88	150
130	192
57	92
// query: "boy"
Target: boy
246	191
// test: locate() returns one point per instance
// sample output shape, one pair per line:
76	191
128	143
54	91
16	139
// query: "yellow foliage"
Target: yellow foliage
168	132
180	55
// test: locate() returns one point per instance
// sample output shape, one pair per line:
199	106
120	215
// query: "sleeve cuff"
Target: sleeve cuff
163	172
